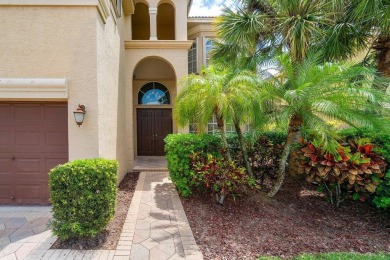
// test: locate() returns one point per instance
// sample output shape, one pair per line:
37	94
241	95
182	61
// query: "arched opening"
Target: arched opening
154	93
140	22
165	22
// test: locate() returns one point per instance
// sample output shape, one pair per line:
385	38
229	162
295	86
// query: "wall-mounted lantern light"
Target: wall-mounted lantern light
79	115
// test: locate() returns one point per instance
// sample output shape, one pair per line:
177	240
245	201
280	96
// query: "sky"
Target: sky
208	7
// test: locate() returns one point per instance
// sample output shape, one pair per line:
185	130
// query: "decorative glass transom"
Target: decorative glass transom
154	93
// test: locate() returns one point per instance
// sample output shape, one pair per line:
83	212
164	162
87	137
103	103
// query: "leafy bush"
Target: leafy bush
83	196
264	157
382	198
179	148
380	139
221	177
355	168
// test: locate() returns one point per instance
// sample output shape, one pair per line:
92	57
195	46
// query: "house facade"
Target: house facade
120	59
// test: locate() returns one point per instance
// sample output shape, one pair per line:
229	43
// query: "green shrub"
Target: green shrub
83	196
178	148
220	177
382	198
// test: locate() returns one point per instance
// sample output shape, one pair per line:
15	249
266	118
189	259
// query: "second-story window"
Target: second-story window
192	59
208	47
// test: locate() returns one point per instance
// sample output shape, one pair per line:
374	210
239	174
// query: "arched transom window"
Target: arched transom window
154	93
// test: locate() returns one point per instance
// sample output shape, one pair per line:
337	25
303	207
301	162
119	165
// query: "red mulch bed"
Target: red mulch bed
108	239
297	220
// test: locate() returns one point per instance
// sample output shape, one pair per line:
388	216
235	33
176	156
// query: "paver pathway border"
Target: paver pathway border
154	192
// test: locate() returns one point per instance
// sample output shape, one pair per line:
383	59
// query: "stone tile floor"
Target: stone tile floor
150	164
155	228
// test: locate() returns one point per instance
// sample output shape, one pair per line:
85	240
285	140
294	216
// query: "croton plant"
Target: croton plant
355	168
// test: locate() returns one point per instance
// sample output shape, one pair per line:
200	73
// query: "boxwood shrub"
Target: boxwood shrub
83	196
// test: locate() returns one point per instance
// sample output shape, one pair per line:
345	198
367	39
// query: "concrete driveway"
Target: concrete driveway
22	229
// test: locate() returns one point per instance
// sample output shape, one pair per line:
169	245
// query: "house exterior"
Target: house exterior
121	59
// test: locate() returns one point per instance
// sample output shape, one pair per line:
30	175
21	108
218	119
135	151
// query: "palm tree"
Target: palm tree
307	94
230	95
264	27
373	16
339	29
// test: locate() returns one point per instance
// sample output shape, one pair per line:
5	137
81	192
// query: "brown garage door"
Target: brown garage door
33	139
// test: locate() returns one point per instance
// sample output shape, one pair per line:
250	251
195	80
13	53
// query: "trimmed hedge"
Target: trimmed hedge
83	196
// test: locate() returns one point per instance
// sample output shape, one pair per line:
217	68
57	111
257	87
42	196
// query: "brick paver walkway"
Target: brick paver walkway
155	228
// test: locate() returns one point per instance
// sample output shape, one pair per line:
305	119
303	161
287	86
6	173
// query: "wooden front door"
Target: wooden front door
153	125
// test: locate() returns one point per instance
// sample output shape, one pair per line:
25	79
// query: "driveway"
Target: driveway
23	229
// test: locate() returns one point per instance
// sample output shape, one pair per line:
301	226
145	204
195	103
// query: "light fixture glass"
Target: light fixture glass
79	115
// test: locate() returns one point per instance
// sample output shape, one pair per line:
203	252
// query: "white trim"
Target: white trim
103	9
152	10
33	88
204	40
198	63
49	2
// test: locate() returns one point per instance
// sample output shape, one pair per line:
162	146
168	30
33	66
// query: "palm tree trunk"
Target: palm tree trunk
293	136
243	148
382	46
225	146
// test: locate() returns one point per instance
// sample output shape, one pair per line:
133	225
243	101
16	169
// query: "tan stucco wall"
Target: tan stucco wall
77	44
56	42
110	83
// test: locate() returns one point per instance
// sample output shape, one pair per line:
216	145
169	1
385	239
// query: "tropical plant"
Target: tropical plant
228	94
355	168
306	95
339	29
221	177
362	25
262	29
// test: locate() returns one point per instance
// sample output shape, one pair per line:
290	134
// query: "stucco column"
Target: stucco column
153	23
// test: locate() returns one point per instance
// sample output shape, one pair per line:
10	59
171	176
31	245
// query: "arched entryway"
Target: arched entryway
154	85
